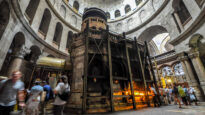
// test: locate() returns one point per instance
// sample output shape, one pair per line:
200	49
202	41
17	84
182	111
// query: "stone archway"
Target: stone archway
58	34
197	55
31	10
69	40
35	52
45	22
157	38
14	55
197	46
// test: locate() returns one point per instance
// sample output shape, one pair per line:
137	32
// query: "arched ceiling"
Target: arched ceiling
108	5
103	4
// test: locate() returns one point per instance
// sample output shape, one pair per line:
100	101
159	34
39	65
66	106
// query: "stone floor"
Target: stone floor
163	110
166	110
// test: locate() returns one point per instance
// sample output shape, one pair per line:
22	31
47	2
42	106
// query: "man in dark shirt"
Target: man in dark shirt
49	95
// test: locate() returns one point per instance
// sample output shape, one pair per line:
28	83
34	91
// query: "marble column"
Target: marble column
186	71
200	70
191	79
18	59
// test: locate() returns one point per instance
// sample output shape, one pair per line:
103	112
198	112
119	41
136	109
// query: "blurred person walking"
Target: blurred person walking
155	96
34	100
175	92
9	91
191	92
170	95
61	95
49	95
186	88
182	95
167	95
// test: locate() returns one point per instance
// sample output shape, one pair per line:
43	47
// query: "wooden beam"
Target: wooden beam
110	70
130	72
142	69
152	71
84	103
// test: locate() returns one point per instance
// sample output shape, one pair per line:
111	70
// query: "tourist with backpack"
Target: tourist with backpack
35	100
61	91
182	94
176	95
49	95
191	92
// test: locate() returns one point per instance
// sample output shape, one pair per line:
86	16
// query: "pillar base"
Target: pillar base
74	104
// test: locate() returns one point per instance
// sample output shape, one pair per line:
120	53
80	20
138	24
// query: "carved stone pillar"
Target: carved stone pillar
183	61
17	60
191	79
200	70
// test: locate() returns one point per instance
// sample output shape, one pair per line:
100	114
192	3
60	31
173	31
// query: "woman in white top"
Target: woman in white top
58	102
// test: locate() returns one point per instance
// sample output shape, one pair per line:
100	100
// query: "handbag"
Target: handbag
192	97
64	96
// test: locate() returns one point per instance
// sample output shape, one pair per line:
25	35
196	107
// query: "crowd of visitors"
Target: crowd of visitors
32	101
179	94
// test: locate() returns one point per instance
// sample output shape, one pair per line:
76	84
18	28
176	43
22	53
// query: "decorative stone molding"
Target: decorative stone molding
22	52
182	58
19	14
165	57
194	54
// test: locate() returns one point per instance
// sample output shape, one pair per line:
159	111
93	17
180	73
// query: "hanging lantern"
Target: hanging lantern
94	80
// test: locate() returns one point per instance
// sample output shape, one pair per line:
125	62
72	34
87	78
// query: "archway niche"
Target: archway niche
15	50
31	10
69	39
63	11
117	13
74	20
127	9
4	17
76	6
181	14
45	22
195	43
157	38
58	33
108	15
35	52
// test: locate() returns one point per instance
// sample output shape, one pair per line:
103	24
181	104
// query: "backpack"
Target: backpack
175	90
181	92
64	96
